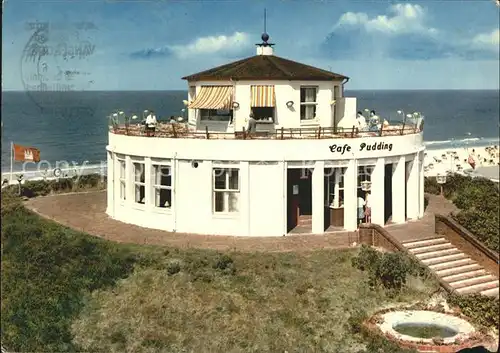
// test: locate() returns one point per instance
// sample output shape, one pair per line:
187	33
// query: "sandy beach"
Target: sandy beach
456	160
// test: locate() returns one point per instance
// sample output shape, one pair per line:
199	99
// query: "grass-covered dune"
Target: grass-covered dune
65	291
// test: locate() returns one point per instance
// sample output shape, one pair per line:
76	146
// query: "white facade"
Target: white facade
266	186
262	166
285	91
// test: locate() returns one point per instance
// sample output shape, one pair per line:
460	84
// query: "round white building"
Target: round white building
301	168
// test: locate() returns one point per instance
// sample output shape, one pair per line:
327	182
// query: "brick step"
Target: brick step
424	242
464	275
471	281
424	249
432	254
444	259
451	264
452	270
478	287
493	292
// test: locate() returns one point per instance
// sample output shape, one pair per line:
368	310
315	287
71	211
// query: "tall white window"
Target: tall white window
122	179
162	185
139	182
226	190
364	174
308	102
334	187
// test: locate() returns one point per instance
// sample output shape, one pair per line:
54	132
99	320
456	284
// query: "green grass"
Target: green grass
63	290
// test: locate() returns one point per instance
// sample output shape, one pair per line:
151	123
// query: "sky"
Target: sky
150	45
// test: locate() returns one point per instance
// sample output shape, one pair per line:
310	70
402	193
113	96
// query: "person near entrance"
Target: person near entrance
368	209
361	211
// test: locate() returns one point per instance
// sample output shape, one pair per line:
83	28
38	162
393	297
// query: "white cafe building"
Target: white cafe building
301	168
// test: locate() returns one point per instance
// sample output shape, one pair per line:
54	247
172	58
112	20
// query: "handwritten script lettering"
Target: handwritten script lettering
377	146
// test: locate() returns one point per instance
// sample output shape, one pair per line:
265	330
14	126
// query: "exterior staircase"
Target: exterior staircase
454	267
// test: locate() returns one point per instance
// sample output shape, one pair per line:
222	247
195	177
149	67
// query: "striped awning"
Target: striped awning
213	97
263	96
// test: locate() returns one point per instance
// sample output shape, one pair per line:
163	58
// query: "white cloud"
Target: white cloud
213	45
488	40
404	18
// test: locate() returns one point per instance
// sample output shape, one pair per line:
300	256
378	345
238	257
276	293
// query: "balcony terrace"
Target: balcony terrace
182	130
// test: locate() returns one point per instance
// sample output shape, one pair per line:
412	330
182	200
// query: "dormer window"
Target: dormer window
308	102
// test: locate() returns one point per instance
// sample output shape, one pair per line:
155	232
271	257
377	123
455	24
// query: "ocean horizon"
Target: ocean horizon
72	126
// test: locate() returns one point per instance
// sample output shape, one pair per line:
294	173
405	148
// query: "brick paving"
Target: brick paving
86	212
424	227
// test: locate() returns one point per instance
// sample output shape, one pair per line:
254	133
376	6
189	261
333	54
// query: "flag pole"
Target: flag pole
11	160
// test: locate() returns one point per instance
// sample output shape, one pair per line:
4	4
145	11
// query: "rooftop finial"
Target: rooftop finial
265	36
265	21
265	48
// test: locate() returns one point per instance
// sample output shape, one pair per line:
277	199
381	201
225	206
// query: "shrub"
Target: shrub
477	199
480	308
388	269
226	264
368	258
431	186
355	321
34	188
173	268
392	270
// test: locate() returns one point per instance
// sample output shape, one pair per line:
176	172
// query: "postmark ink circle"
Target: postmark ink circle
55	60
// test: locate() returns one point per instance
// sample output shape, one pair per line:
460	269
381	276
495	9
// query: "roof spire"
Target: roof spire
265	48
265	21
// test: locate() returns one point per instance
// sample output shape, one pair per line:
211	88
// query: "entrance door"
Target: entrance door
388	193
299	196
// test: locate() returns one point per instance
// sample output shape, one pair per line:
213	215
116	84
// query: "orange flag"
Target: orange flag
26	154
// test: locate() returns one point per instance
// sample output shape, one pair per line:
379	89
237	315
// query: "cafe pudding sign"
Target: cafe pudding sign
377	146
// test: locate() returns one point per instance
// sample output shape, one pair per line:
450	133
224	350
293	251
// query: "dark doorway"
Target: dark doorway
388	193
299	198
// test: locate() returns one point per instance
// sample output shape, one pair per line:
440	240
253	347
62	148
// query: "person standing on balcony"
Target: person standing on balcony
361	120
252	123
150	123
374	121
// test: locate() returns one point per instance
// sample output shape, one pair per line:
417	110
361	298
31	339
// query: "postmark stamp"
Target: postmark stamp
54	61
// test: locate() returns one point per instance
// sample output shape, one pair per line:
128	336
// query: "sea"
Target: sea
73	126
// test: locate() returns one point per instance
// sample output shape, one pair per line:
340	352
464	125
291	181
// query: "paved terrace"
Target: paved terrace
86	212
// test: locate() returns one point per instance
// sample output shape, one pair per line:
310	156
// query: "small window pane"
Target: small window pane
122	169
163	198
307	112
122	190
219	201
163	175
140	193
308	95
139	172
219	179
233	201
233	179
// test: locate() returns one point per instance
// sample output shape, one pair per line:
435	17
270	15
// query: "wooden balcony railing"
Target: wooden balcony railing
179	130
